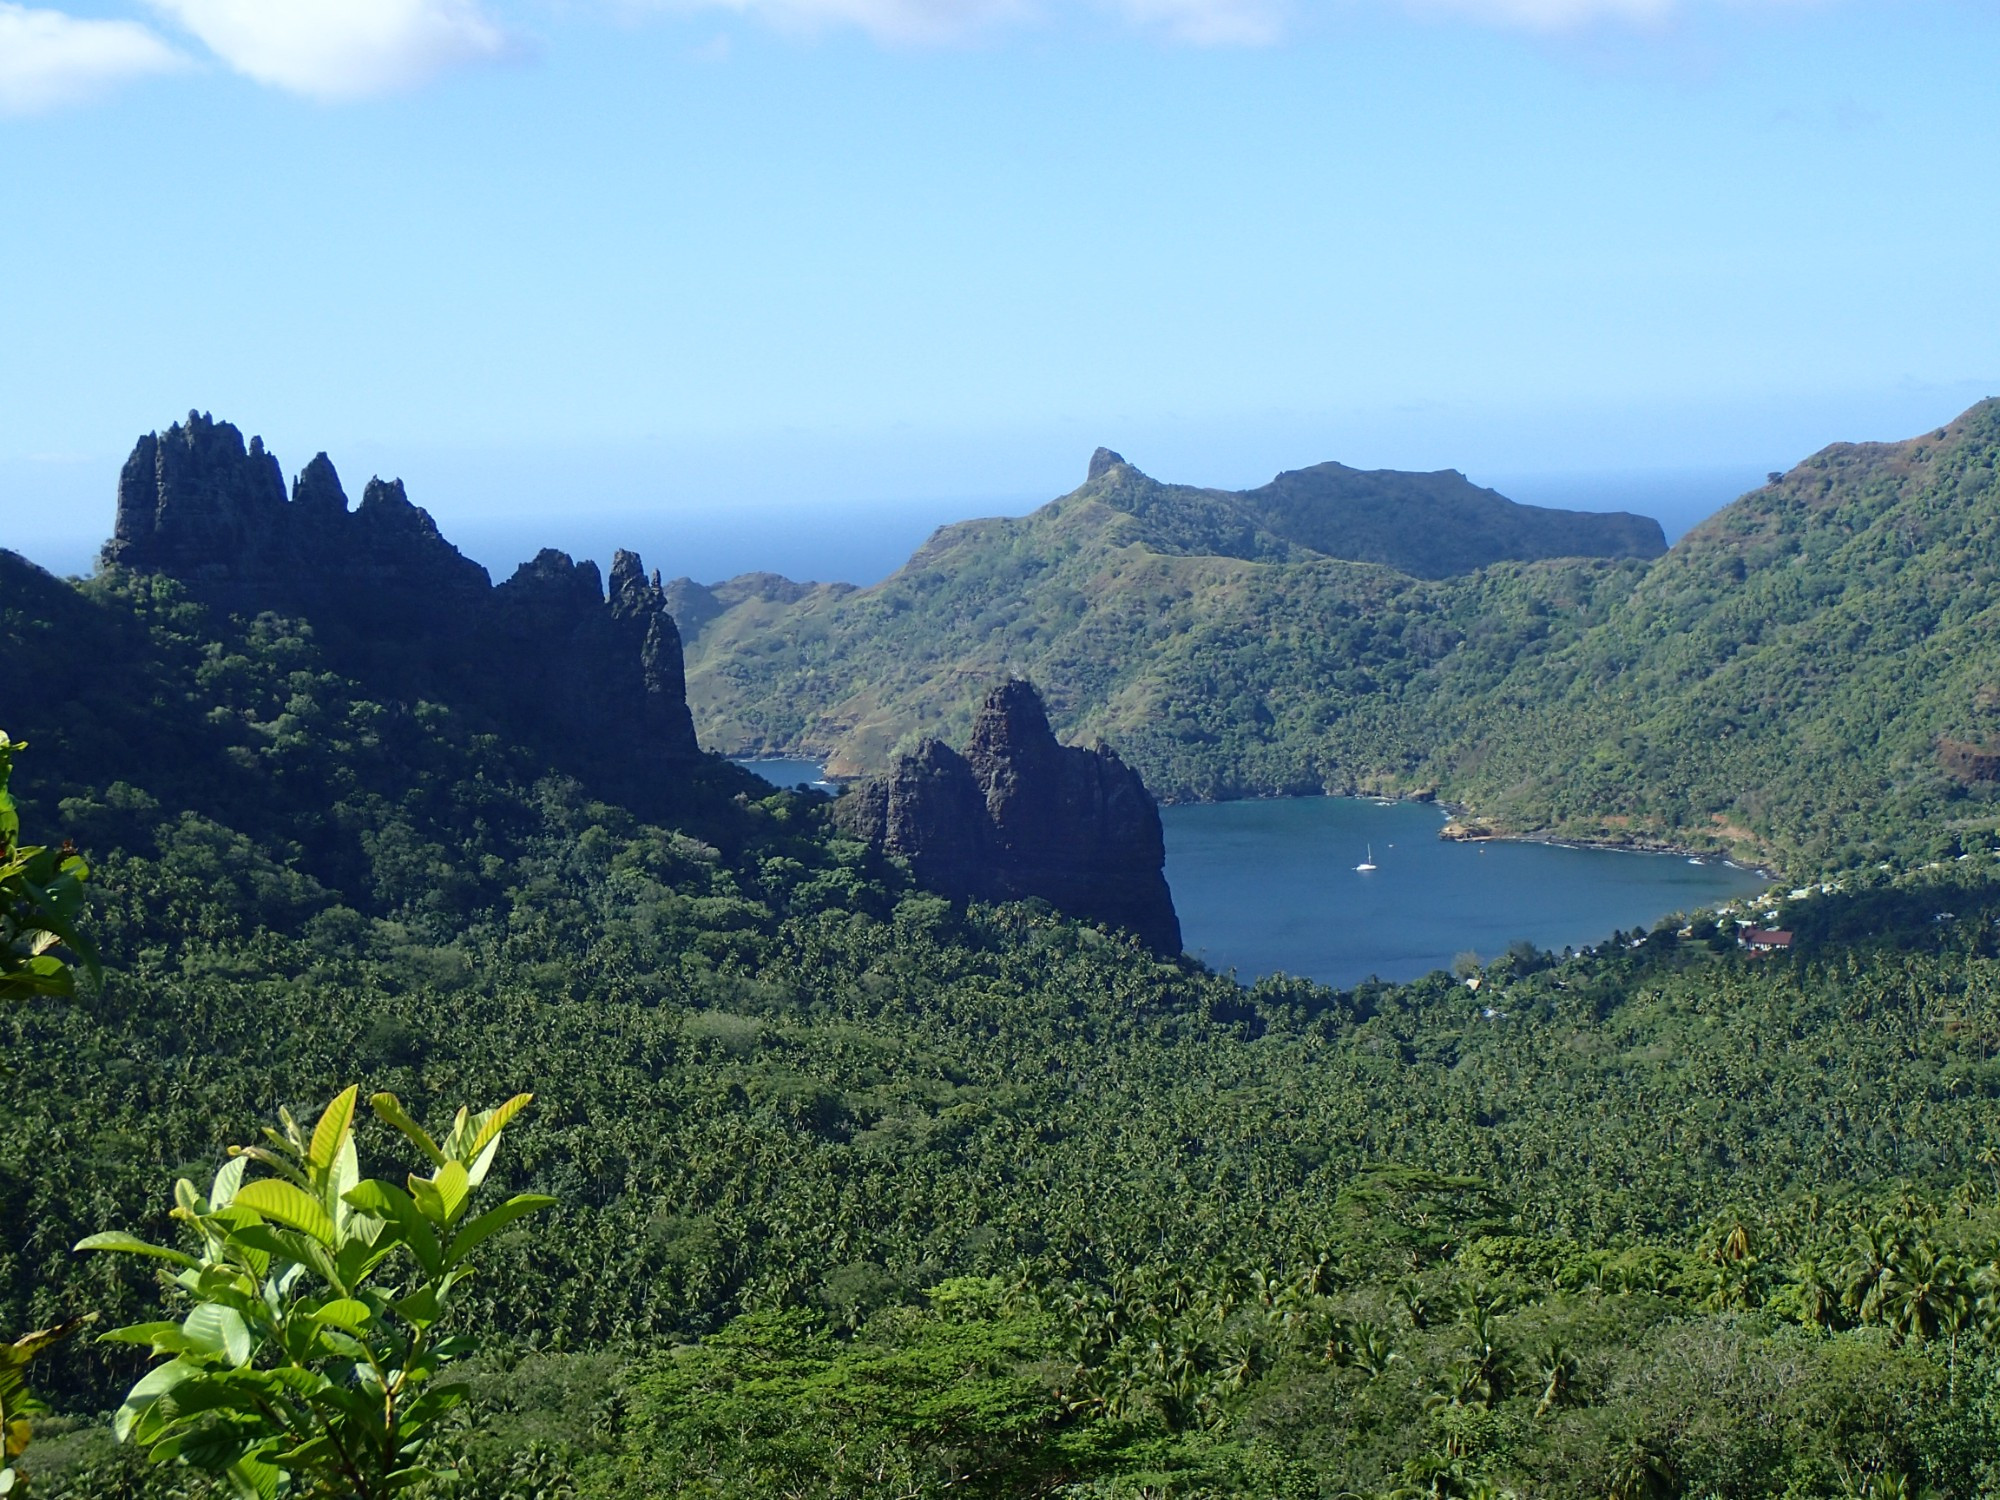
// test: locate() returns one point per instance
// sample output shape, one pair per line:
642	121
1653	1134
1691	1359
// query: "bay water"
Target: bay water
1272	885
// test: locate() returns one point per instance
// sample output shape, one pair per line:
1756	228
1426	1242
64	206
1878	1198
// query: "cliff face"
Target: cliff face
1019	815
596	680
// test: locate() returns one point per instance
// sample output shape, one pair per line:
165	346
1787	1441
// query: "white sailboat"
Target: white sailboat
1368	863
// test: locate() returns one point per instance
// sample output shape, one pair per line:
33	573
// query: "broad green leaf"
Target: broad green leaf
390	1108
343	1312
483	1162
341	1342
220	1330
429	1201
277	1199
276	1161
228	1177
250	1479
486	1130
492	1222
421	1306
454	1186
335	1128
131	1244
153	1385
386	1201
342	1175
139	1333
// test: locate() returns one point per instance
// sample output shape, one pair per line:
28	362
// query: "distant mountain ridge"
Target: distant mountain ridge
1434	525
1060	594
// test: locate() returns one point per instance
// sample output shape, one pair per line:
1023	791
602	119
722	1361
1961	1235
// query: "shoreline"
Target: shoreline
1452	812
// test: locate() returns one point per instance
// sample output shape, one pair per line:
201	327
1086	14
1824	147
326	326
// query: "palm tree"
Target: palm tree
1437	1476
1361	1346
1819	1300
1644	1472
1316	1280
1556	1369
1875	1248
1418	1305
1924	1294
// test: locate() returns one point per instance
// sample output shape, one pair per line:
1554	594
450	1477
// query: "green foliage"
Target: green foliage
41	899
942	1399
305	1363
19	1405
1181	1238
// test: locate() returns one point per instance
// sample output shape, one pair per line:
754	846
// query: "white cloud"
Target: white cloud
1197	22
1549	15
48	58
893	21
1211	23
341	49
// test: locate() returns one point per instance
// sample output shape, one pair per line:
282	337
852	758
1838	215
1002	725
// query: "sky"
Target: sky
787	283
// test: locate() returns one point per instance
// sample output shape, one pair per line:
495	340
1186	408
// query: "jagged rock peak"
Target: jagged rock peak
1011	719
316	491
1020	815
558	578
196	503
628	571
1102	462
544	654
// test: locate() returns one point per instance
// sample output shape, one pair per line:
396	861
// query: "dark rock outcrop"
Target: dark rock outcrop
195	504
595	681
1019	815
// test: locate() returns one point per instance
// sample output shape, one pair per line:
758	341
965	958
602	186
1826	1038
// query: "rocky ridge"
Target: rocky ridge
1018	815
596	679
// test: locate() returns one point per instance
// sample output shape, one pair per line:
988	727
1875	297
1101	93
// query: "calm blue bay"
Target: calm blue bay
1262	886
1272	885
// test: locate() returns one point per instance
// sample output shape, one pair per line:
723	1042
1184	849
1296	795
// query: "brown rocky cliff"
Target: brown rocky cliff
1019	815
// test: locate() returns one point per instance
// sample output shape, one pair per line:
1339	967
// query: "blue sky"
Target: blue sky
781	266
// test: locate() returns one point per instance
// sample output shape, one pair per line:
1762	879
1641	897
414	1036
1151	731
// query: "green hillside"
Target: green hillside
861	1190
1809	677
1252	662
1819	663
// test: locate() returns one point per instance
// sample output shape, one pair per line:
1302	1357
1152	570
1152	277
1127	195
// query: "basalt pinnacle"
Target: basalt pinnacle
1017	815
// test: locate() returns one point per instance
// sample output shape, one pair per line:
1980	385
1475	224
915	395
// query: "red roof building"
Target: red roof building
1764	940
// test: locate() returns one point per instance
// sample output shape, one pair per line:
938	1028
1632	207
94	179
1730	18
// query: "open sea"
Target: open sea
1272	885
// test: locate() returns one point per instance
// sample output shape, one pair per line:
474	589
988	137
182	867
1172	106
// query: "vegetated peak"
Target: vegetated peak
1429	525
1857	485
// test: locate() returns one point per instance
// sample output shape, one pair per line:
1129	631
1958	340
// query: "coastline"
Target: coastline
1460	813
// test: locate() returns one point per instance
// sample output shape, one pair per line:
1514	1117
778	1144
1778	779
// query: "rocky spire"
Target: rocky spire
1020	815
1102	462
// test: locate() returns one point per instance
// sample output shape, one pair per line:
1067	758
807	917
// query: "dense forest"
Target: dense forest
860	1191
1803	678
